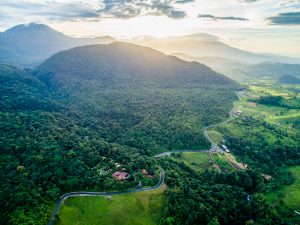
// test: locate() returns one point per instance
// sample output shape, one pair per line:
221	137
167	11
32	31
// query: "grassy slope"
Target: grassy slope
215	136
127	209
221	161
290	195
195	161
272	114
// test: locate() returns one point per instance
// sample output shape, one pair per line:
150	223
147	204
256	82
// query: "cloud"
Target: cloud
290	18
183	1
222	17
133	8
85	10
288	5
49	10
248	1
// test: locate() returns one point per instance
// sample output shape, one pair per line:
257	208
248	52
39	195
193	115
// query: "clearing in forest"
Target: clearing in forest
125	209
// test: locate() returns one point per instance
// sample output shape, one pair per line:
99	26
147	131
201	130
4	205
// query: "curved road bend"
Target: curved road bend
83	193
162	172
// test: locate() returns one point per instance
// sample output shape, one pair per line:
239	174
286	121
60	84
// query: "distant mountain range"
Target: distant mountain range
30	44
243	70
206	45
237	64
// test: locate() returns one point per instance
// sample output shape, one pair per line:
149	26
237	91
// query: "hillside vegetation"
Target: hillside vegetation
65	126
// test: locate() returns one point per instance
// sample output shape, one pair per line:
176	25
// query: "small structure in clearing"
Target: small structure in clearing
224	147
238	112
120	175
144	172
266	176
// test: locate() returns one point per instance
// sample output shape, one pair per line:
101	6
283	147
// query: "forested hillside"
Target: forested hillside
66	125
139	97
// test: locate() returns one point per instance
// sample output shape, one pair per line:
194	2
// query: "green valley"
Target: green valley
120	133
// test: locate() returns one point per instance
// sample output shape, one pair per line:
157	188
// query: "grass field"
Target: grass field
215	136
221	161
275	115
196	161
289	195
143	208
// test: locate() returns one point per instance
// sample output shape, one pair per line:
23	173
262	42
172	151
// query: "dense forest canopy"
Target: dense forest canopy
66	125
138	96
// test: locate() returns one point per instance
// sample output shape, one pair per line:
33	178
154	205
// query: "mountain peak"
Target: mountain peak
29	27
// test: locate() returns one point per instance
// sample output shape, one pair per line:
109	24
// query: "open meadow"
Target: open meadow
126	209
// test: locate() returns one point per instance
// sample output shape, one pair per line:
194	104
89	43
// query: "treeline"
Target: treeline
267	149
212	197
67	133
271	100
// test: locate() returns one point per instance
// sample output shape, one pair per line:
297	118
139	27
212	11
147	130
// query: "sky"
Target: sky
255	25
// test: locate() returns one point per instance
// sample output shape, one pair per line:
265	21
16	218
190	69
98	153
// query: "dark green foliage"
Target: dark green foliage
267	149
87	109
271	100
137	96
215	198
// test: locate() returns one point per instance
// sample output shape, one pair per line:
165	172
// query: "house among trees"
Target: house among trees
120	175
144	172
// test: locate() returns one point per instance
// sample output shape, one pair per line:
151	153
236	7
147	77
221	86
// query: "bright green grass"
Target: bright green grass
221	161
215	136
290	195
271	89
194	160
272	114
143	208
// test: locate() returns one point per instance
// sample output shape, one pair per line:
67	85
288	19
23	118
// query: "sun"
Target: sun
156	26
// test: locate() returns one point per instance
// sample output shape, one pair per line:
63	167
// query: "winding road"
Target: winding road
82	193
214	148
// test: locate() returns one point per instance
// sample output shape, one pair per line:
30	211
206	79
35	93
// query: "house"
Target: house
224	147
144	172
238	112
120	175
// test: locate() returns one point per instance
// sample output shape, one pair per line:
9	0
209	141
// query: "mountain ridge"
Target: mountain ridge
29	45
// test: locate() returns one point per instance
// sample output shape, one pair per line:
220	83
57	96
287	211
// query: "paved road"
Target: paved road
164	154
83	193
214	148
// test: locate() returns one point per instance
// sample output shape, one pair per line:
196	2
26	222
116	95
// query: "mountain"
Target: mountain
154	92
205	45
87	108
30	44
274	70
20	90
288	79
121	64
243	71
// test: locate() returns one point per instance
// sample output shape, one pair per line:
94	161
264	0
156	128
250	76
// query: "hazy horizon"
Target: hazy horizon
265	26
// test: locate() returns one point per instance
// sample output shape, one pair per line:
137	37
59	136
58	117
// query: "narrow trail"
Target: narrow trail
214	149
